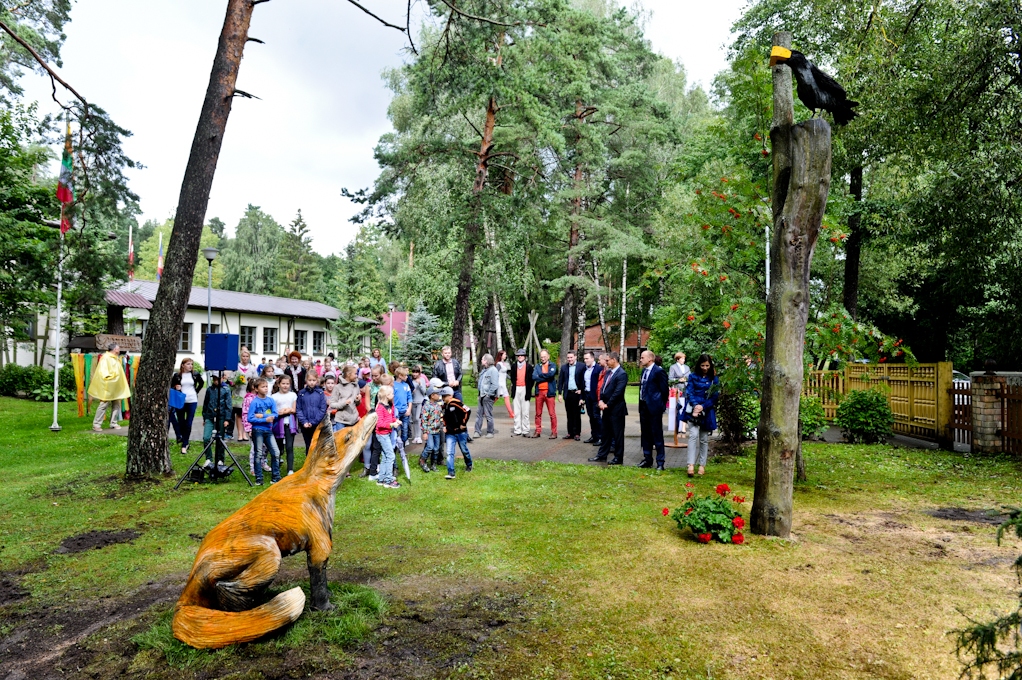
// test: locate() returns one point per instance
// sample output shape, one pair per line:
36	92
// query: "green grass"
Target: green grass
869	587
358	611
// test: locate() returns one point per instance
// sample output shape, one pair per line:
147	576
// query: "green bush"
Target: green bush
865	417
737	418
36	382
633	372
812	419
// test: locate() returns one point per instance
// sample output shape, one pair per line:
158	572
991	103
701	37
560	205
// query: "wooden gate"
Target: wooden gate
1011	419
960	395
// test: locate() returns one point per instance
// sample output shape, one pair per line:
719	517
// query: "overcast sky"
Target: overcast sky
323	104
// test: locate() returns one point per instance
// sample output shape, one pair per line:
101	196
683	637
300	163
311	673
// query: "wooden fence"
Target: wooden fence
919	395
960	394
1011	419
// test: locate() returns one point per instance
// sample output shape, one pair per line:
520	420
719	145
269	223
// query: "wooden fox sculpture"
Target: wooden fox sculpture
239	558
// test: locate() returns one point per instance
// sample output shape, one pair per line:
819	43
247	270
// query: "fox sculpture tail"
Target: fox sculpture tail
212	628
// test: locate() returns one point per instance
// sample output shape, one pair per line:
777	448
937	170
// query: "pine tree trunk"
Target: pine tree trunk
147	432
853	246
801	155
600	308
472	230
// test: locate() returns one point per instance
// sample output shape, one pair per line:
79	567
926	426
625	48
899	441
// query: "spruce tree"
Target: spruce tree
424	337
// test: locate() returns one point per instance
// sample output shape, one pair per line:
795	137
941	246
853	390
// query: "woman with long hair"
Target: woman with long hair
189	382
701	395
503	366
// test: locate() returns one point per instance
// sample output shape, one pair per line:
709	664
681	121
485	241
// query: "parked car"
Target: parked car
958	376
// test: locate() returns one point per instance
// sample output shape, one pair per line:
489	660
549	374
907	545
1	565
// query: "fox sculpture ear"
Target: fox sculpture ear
323	444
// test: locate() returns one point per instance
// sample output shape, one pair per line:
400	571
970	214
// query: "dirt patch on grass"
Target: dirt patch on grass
433	626
94	540
11	590
972	516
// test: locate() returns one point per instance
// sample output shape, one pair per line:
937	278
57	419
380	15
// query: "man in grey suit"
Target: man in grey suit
488	382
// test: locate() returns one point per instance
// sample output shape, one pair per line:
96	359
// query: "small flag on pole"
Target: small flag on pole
131	255
159	260
65	186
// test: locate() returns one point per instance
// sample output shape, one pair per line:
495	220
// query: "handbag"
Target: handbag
176	399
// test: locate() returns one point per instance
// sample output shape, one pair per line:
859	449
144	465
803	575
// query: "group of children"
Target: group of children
273	411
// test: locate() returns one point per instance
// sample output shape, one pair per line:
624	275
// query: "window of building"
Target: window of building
269	341
632	354
300	337
135	327
185	345
318	342
246	337
215	328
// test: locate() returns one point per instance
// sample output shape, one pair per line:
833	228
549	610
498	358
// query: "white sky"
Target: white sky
323	104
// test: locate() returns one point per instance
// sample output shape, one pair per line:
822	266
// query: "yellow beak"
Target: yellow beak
778	54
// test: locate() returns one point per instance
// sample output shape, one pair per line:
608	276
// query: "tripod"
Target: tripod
217	472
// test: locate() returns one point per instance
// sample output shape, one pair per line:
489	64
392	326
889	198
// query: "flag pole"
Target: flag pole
55	427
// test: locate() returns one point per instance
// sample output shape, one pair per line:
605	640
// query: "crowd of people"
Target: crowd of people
268	404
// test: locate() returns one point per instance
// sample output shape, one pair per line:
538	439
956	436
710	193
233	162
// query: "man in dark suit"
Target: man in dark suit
590	388
653	396
612	403
569	384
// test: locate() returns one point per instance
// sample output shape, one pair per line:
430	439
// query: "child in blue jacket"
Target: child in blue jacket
311	408
261	414
402	401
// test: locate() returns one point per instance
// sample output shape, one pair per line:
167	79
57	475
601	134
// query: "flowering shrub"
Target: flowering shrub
812	419
712	517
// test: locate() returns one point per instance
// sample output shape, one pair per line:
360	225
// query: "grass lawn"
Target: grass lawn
540	570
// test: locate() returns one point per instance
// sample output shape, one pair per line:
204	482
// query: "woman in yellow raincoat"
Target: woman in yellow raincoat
109	385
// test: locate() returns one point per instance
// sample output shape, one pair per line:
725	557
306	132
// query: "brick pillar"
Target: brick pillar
986	413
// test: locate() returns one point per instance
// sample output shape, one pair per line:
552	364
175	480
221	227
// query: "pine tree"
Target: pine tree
424	337
250	258
298	264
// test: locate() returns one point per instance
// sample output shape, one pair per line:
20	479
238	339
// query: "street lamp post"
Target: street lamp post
210	255
390	333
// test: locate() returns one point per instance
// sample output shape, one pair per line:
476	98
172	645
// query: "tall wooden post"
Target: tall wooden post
801	155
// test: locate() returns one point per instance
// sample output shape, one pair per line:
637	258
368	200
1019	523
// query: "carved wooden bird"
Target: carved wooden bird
815	88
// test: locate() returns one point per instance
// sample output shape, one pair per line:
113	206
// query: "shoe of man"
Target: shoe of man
468	437
537	434
589	441
364	473
660	468
489	436
115	426
616	461
468	468
478	435
208	464
577	438
97	428
646	463
598	459
596	442
448	476
568	436
423	466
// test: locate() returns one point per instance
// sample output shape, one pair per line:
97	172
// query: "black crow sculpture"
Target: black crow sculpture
815	88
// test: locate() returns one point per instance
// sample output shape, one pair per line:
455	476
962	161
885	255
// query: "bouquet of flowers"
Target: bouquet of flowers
239	379
712	517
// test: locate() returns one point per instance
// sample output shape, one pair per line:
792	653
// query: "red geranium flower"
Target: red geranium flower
666	512
727	324
723	489
689	485
738	539
705	538
739	499
723	278
689	495
706	273
737	521
691	318
688	512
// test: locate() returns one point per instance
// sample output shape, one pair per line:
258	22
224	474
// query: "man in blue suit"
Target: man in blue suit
653	396
590	383
612	403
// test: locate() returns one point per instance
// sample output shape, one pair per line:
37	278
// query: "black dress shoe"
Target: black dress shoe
590	441
598	459
616	461
576	437
646	463
596	442
568	436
